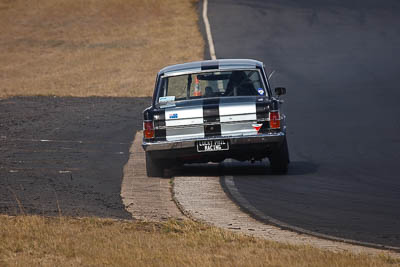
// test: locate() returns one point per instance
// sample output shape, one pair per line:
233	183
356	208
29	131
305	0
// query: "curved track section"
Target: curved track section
340	62
203	199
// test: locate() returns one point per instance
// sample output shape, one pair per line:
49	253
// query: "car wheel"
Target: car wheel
279	159
154	167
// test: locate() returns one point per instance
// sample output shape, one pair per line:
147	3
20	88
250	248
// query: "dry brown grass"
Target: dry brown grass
93	47
33	240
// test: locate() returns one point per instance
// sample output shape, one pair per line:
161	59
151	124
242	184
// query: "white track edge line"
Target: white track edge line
208	31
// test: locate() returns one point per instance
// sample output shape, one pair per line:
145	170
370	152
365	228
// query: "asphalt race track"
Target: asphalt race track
65	155
340	62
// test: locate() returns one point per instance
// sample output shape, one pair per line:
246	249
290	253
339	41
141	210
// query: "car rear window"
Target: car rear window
211	84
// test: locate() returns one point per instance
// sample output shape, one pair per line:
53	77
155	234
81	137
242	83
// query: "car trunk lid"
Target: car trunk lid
213	117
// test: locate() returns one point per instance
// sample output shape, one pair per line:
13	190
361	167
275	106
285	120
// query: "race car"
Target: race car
212	110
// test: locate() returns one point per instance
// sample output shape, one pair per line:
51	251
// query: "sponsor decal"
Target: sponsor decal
260	91
173	116
166	99
257	126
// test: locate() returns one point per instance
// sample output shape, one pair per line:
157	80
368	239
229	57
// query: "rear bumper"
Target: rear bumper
265	138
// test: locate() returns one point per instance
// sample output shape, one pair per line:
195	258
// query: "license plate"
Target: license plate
212	145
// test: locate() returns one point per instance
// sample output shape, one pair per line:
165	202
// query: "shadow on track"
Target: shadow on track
244	168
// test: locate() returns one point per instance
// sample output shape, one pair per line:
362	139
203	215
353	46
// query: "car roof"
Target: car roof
205	65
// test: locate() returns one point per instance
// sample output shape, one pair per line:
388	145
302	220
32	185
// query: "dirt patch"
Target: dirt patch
95	47
66	155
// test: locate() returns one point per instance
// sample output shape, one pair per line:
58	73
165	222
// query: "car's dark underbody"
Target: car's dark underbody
241	152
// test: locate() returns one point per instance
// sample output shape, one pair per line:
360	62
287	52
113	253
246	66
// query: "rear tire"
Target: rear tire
154	167
279	159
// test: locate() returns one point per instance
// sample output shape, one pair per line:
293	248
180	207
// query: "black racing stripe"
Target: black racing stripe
211	110
212	130
210	65
211	115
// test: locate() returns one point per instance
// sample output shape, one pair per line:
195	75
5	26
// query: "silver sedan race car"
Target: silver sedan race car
209	111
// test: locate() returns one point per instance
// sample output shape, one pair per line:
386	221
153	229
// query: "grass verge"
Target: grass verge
34	240
93	47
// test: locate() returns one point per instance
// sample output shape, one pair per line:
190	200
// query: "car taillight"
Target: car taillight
148	129
274	120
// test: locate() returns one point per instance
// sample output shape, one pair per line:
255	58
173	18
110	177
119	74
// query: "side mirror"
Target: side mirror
280	91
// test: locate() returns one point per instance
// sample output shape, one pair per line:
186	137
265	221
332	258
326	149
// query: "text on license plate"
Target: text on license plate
212	145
